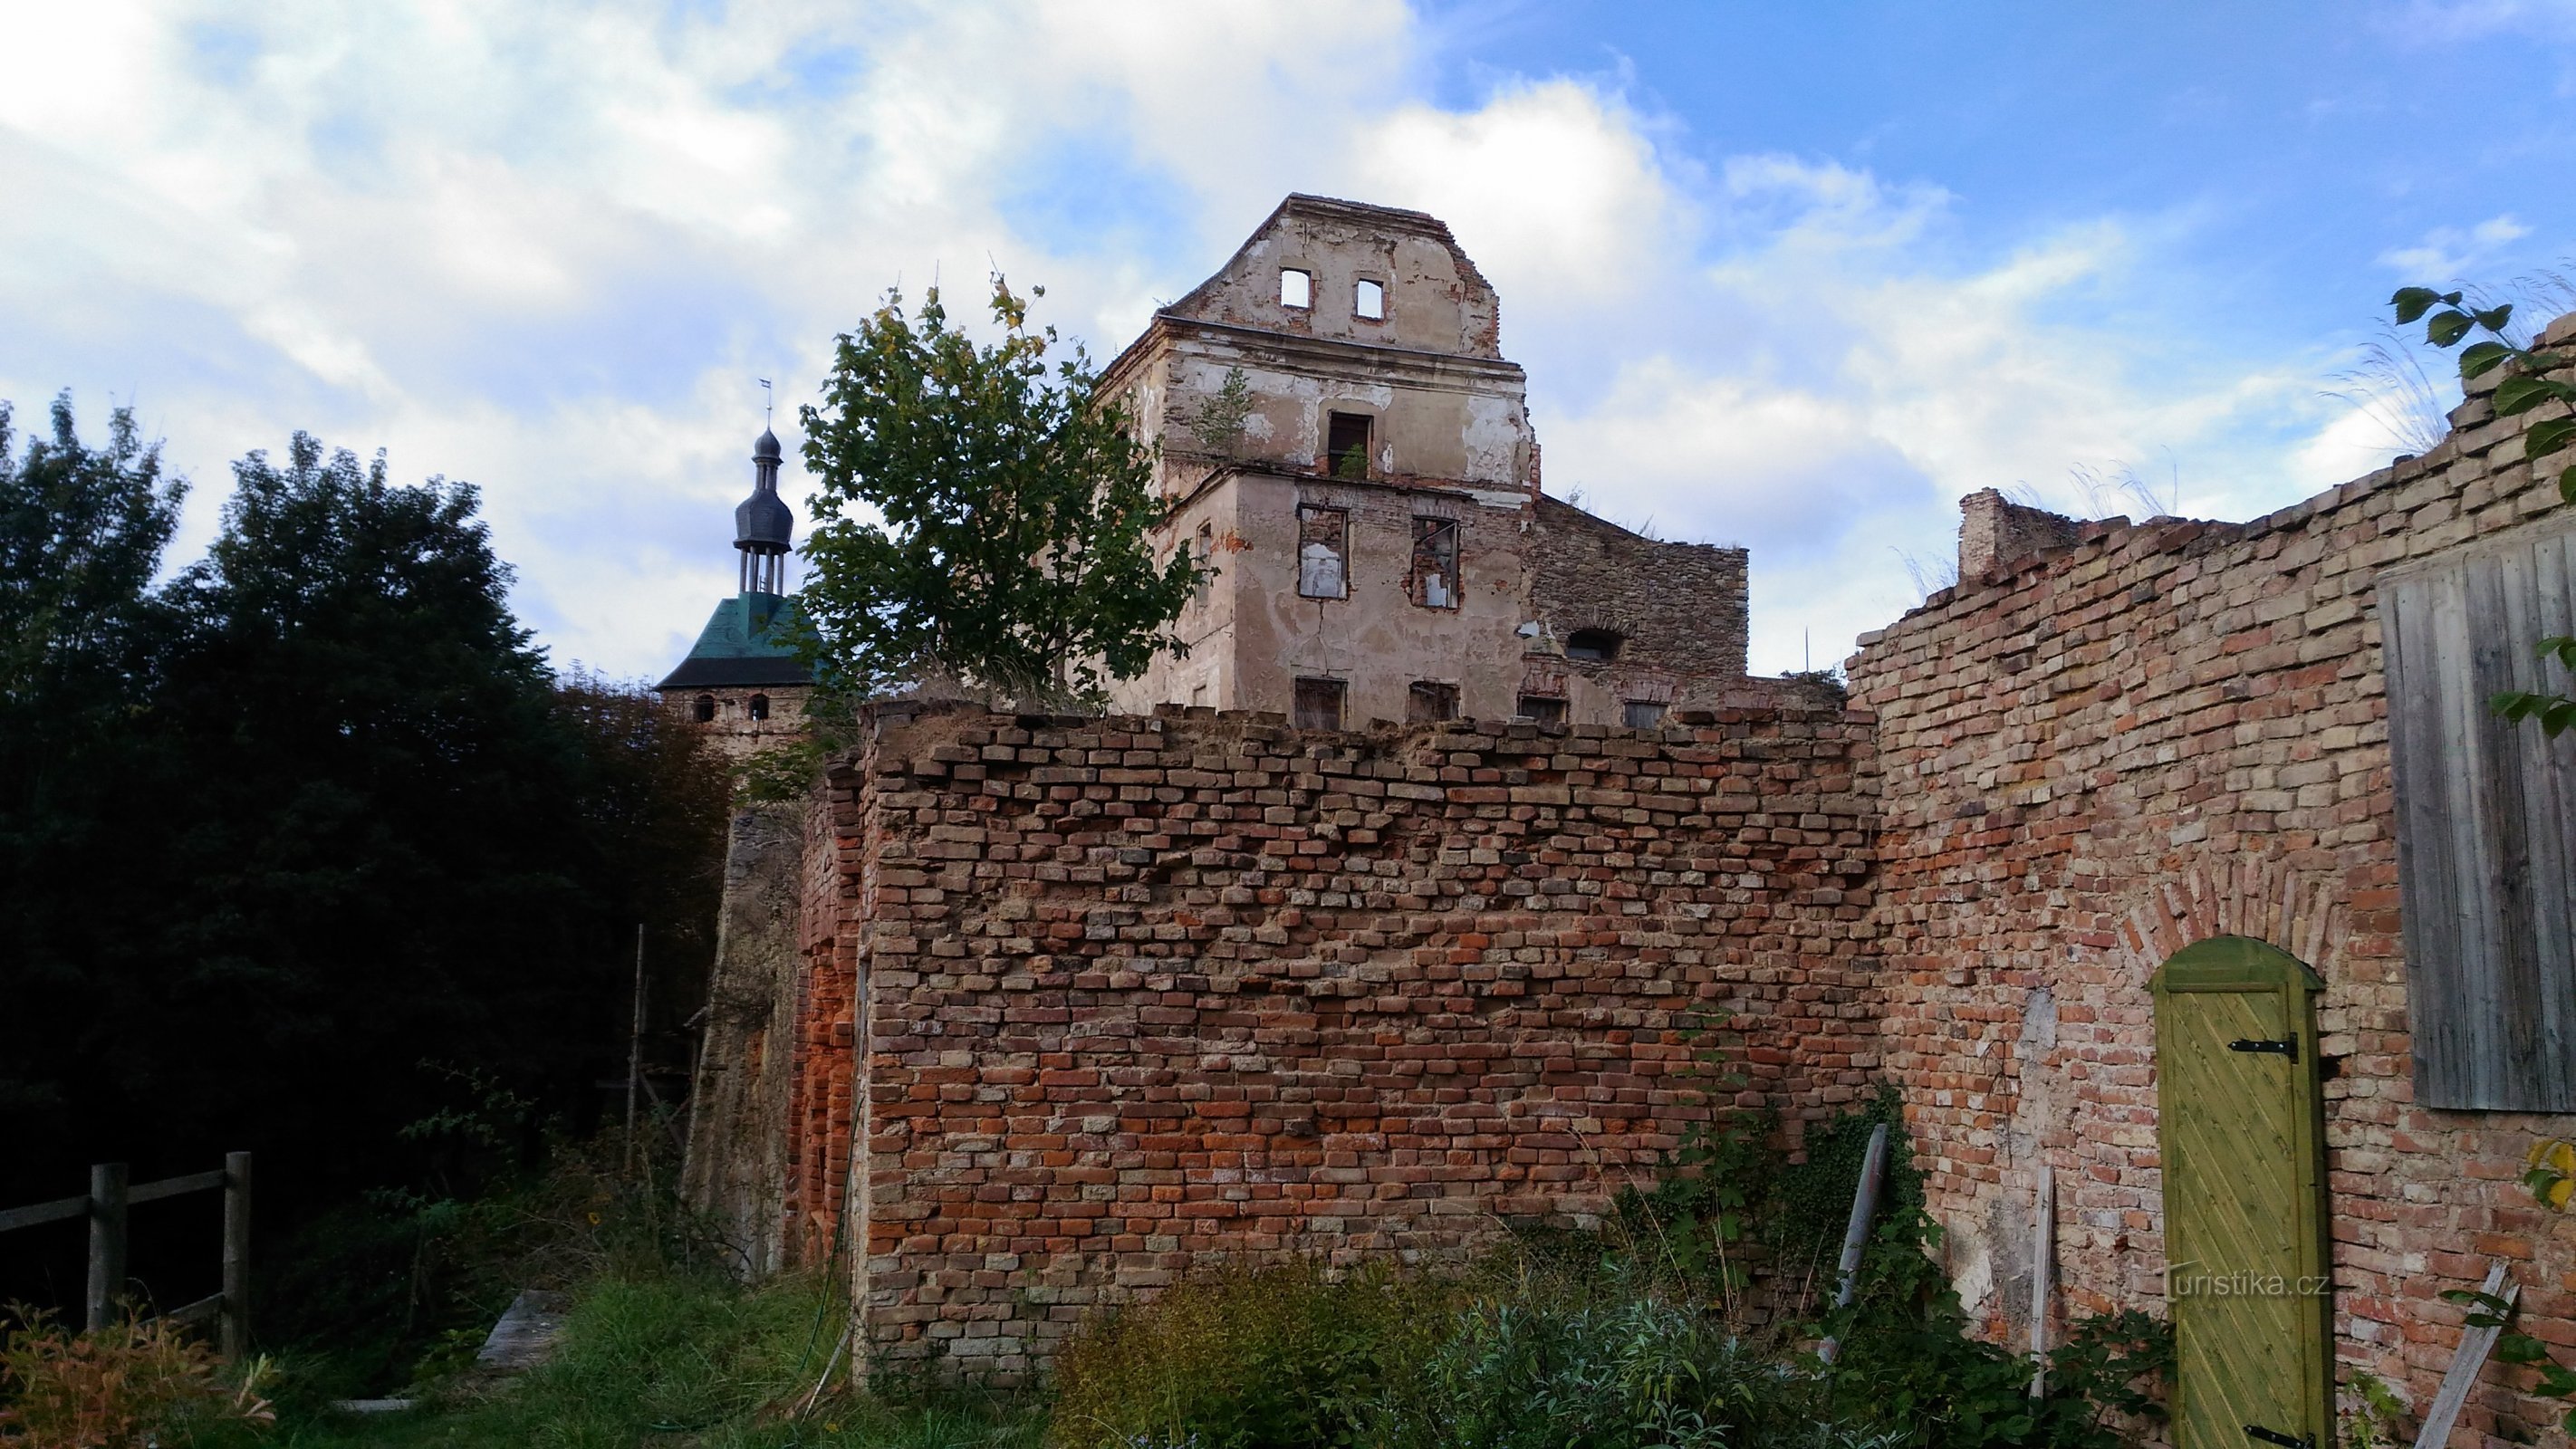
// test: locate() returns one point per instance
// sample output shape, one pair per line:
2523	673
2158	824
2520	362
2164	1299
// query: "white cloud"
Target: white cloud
547	249
2449	251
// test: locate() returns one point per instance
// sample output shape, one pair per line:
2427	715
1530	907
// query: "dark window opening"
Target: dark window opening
1368	299
759	706
1319	704
1296	288
1323	545
1429	703
1205	557
1642	714
1435	562
704	709
1346	445
1598	645
1540	709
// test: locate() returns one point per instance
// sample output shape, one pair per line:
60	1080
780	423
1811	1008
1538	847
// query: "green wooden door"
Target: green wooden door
2241	1128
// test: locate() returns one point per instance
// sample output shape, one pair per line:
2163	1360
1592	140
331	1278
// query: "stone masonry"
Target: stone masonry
1086	1004
1139	993
2131	738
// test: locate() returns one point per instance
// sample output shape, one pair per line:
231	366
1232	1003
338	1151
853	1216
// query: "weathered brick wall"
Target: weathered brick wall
1680	606
2155	735
1143	992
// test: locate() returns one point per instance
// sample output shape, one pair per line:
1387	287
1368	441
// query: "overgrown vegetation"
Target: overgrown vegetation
310	810
1654	1330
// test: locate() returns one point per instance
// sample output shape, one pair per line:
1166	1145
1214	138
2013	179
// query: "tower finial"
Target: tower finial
768	397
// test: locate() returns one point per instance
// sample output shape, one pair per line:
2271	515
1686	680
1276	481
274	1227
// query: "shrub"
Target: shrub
135	1384
1251	1358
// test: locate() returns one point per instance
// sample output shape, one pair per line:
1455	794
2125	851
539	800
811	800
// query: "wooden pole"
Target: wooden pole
635	1047
233	1336
2043	1271
107	1182
1873	1165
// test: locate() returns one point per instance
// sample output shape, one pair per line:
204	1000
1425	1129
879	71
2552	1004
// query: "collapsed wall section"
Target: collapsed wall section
1143	993
2119	741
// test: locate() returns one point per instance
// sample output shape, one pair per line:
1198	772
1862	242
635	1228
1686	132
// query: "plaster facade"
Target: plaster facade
1399	445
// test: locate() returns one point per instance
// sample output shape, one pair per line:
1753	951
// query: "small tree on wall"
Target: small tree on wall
2532	385
1008	545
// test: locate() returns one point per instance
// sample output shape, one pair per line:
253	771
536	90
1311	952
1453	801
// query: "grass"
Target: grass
667	1361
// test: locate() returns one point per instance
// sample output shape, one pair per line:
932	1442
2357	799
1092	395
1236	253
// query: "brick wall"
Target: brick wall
1141	992
1679	606
2149	736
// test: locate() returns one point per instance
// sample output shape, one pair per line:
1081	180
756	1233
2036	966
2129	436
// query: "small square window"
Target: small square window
1319	704
1430	703
1642	714
1540	709
1368	299
1296	288
1323	543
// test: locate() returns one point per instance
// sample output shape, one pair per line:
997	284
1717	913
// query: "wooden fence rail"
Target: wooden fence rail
106	1204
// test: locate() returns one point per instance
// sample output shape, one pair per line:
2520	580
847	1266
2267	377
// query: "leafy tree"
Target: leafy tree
2534	381
1015	500
341	819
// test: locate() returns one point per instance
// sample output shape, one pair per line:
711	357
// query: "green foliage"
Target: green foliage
1269	1358
1218	424
2489	1310
2535	381
2372	1420
272	832
1007	548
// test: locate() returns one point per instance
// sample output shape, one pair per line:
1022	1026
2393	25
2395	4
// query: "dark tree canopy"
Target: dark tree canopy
982	515
315	812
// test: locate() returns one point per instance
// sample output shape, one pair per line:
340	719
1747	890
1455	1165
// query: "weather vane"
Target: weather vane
768	397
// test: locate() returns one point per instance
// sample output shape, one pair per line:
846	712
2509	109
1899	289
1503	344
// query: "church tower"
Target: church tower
742	681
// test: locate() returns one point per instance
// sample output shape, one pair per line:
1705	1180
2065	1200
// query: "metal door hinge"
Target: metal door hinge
2275	1436
2286	1046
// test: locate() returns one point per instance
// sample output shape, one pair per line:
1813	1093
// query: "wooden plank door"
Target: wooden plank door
2241	1134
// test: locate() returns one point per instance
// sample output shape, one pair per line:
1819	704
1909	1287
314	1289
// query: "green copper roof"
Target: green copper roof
748	640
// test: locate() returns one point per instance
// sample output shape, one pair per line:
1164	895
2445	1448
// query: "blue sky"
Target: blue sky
1792	276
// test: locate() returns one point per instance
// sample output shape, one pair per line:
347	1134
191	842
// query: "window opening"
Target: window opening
705	708
1598	645
1435	562
1323	542
1296	288
1539	709
1346	444
1203	554
1428	702
760	706
1642	714
1319	704
1369	300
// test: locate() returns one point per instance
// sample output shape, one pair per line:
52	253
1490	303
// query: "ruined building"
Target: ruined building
742	681
1367	493
2217	937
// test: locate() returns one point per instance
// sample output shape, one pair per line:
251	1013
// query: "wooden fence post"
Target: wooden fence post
106	1244
233	1335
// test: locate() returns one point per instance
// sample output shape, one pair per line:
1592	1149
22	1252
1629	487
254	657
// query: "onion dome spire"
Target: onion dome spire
763	525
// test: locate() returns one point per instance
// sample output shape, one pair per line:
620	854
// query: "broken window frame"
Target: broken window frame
1362	289
1594	646
1433	578
1304	288
1318	703
758	708
1430	701
1644	714
1203	554
1546	709
1337	425
1328	527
